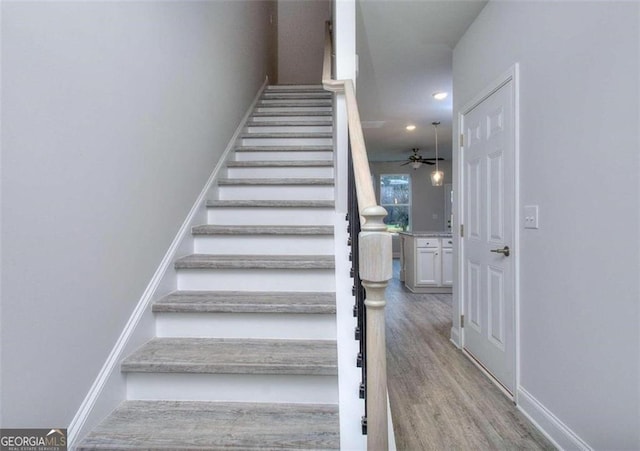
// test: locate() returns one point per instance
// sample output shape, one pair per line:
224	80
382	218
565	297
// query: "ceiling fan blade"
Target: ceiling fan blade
408	162
432	159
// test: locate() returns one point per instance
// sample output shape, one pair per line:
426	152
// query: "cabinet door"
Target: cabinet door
447	267
428	266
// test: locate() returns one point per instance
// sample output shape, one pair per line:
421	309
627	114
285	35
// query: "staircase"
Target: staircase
245	352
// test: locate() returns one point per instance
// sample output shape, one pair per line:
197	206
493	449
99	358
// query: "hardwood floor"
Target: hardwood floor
439	399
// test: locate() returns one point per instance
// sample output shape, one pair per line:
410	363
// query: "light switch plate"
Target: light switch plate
531	217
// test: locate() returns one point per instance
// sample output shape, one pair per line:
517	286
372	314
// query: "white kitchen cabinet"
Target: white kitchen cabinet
427	262
427	266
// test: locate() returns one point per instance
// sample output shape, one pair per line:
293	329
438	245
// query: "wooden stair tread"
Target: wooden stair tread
257	135
192	425
315	123
247	302
284	149
275	181
291	113
287	86
208	261
309	94
208	229
234	356
291	101
271	203
269	94
281	164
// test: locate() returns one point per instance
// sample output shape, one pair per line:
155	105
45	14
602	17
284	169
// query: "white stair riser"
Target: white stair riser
286	142
275	192
280	172
290	129
270	216
294	326
322	280
293	109
301	119
294	101
291	155
264	244
233	387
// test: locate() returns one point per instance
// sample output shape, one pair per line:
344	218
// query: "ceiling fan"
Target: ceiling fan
416	160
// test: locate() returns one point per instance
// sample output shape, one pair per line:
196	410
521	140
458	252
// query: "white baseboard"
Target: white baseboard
392	434
153	291
455	337
555	430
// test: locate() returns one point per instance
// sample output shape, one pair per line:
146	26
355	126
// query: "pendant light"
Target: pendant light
437	176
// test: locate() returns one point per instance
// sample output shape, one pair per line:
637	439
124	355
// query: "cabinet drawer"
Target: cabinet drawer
427	242
447	243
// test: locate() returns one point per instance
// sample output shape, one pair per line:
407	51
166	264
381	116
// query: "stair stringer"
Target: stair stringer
109	388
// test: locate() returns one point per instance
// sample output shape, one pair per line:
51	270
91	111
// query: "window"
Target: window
395	197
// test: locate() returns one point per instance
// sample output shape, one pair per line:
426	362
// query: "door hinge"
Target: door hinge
461	320
461	140
461	230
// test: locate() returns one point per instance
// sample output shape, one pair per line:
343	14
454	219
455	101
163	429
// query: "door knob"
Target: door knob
504	251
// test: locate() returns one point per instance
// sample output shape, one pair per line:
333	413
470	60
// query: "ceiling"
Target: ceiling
404	56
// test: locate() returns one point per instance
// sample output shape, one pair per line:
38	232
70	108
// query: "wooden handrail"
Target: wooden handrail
374	258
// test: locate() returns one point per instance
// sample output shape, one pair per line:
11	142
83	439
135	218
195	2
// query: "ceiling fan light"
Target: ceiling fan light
416	164
410	127
437	178
440	95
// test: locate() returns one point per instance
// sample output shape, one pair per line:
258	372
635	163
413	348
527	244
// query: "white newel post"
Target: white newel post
375	273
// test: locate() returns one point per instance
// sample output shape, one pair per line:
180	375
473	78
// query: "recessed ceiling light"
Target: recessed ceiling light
440	95
410	127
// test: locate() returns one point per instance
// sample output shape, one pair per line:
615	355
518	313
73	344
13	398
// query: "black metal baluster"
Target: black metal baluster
358	290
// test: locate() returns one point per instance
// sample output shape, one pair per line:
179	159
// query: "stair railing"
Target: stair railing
372	259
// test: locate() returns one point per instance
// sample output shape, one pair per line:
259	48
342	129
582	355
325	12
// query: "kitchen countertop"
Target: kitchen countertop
427	234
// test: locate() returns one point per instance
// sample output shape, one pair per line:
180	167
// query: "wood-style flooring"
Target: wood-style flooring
439	399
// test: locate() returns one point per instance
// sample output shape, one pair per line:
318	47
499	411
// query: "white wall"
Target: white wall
114	115
579	113
301	40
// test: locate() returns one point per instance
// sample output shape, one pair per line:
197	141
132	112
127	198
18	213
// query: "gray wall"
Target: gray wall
579	304
301	40
114	115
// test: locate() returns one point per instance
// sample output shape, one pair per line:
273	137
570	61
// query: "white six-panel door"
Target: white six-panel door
488	207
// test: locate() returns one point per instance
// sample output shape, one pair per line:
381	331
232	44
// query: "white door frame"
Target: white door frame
512	74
